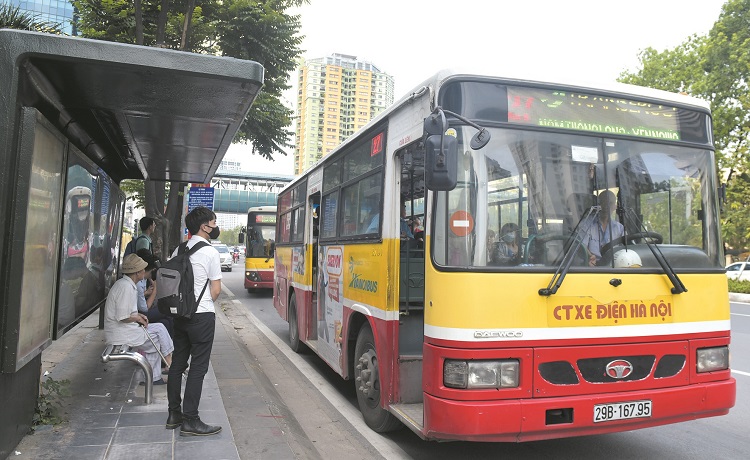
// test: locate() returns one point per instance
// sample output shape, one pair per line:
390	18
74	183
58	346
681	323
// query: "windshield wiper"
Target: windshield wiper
677	286
584	224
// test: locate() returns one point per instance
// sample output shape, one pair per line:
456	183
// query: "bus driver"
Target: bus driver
605	229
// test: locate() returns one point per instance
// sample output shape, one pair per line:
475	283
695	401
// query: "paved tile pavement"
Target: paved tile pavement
107	417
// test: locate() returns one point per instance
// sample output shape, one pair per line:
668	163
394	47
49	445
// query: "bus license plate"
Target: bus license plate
620	411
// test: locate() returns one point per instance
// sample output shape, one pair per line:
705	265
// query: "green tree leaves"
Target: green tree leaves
258	30
715	68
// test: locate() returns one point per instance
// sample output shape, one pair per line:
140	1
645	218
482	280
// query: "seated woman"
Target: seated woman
507	251
418	231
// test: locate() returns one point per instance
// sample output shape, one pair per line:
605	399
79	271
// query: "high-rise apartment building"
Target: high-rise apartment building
337	96
54	11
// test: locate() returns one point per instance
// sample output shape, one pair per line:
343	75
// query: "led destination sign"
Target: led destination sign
592	111
587	112
265	219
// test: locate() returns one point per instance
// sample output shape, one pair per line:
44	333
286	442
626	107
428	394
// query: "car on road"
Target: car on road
733	271
225	255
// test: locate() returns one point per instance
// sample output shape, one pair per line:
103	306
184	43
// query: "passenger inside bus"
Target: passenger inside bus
407	235
374	211
507	251
605	229
416	227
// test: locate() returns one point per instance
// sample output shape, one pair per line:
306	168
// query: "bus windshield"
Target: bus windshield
261	234
528	196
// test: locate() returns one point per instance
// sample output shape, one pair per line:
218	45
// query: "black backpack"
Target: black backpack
175	288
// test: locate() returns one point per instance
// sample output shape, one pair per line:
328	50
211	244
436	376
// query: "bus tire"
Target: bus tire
294	342
367	384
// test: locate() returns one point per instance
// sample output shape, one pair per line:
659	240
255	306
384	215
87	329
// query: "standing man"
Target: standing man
194	337
148	226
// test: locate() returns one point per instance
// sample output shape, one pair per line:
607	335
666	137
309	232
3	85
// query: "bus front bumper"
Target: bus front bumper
536	419
258	279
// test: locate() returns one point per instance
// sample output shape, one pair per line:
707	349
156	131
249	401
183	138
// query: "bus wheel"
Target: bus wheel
367	383
294	342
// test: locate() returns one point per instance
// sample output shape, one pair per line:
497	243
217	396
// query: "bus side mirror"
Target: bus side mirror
241	237
441	168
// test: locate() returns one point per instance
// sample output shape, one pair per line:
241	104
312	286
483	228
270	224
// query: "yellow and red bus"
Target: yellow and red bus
568	280
260	242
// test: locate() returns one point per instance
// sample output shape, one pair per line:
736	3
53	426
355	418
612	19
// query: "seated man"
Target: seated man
604	229
122	322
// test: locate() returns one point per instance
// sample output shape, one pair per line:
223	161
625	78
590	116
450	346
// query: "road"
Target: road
725	437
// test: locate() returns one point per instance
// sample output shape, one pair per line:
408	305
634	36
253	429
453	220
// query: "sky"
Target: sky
550	40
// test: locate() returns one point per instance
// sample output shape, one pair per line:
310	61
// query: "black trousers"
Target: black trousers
194	339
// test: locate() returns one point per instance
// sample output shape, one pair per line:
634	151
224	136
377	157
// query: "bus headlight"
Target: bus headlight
481	374
712	359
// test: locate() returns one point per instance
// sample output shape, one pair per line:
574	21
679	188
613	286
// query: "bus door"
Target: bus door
412	249
312	241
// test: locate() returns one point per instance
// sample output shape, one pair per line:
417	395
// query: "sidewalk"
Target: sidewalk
108	419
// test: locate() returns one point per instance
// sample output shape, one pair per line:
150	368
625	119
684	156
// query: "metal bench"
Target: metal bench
126	353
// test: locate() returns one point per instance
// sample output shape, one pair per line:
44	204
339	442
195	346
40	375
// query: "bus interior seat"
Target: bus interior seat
411	281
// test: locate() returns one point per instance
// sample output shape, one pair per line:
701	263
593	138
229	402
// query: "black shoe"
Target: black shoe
195	427
174	420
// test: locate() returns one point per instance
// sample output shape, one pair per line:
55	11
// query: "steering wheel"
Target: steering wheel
655	237
546	238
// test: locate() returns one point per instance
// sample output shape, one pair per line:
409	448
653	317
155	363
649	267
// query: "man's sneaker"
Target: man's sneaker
195	427
174	420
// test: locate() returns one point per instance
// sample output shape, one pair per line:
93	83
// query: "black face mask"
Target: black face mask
215	232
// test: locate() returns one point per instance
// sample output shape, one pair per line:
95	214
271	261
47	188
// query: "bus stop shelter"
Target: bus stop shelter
77	117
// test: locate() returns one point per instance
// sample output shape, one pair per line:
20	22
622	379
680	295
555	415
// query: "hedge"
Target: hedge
742	287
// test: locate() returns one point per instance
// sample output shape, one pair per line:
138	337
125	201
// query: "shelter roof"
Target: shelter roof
138	112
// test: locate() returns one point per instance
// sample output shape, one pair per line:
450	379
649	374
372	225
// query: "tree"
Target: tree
263	32
13	18
715	68
134	191
258	30
229	236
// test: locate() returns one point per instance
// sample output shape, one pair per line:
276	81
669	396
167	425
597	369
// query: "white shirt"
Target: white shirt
121	303
206	266
598	236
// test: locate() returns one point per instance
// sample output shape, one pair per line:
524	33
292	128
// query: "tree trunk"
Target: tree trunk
186	24
161	24
174	214
154	202
138	23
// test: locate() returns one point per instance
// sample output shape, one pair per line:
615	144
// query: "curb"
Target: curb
739	297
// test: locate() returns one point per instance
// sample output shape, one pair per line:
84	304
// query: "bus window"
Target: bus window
329	213
361	204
